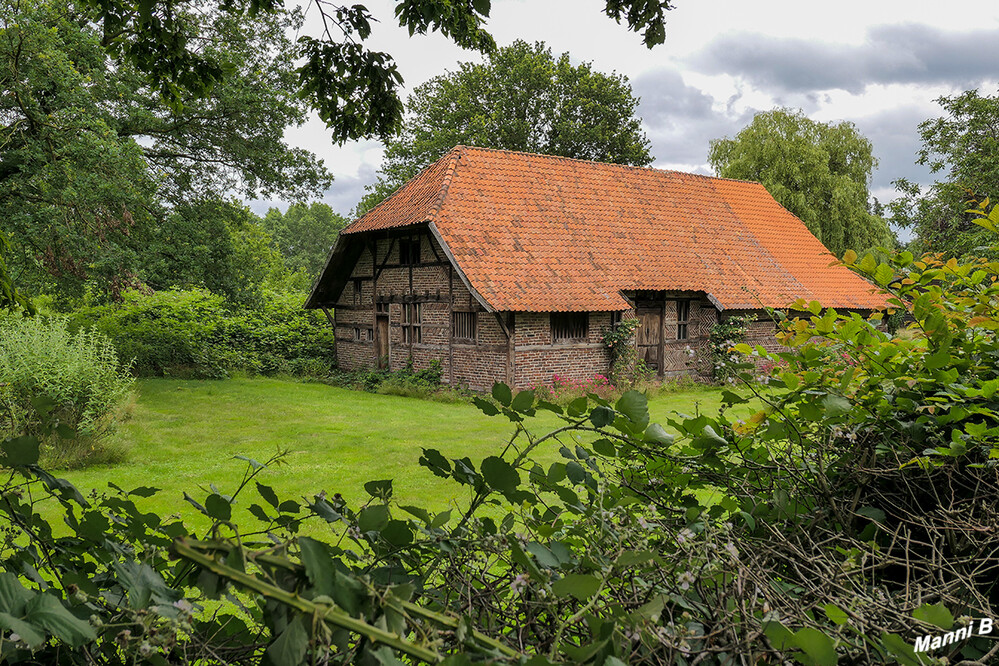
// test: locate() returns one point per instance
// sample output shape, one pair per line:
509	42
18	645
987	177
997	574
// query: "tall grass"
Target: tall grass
77	374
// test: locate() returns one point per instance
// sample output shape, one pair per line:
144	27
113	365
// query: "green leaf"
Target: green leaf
903	651
318	565
778	635
13	595
373	518
601	416
218	507
580	586
835	404
380	489
836	614
20	451
397	533
523	401
500	474
418	512
486	407
936	614
268	494
502	394
816	645
577	406
605	447
873	513
883	274
656	433
632	557
440	520
28	633
635	406
290	647
47	611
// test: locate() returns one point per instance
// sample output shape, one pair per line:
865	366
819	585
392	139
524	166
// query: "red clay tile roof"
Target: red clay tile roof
541	233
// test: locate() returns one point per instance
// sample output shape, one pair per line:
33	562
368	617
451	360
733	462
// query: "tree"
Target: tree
218	245
521	98
304	235
819	171
93	162
353	88
962	146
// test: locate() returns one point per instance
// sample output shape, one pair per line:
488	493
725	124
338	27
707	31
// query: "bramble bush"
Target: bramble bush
853	512
79	374
196	333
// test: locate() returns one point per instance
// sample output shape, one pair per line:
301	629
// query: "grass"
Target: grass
184	434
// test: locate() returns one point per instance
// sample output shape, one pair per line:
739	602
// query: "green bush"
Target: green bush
198	334
78	375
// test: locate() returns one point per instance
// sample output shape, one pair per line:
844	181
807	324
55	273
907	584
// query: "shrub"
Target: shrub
79	377
199	334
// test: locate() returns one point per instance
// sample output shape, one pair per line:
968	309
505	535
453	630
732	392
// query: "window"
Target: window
682	319
412	320
463	326
569	326
382	308
363	334
357	291
615	319
409	251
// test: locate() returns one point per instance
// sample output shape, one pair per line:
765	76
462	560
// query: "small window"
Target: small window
615	319
412	321
357	291
682	319
463	326
409	251
382	308
569	326
363	334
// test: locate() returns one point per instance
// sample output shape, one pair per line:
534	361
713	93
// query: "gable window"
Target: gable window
463	326
412	323
409	251
682	319
570	326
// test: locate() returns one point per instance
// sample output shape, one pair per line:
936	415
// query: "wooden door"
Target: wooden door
649	335
382	340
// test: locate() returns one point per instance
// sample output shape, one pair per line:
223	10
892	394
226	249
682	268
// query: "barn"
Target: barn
508	266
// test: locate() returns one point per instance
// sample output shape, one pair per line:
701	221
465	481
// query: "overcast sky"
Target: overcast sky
877	63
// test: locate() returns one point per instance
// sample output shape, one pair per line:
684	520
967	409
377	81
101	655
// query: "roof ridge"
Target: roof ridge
455	155
611	164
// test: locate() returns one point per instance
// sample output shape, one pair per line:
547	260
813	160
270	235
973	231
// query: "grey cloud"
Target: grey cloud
906	53
680	120
895	136
346	191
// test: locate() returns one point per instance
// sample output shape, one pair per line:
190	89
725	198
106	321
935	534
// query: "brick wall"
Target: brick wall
537	357
479	363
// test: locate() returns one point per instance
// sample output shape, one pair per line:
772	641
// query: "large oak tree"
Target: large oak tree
821	172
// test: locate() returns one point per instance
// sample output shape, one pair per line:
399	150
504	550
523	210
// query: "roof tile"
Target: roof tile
542	233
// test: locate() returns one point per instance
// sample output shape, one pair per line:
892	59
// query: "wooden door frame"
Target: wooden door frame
382	361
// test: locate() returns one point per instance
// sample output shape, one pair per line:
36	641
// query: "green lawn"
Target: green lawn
183	434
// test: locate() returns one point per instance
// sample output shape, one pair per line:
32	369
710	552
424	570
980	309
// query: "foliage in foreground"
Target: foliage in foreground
78	374
197	334
852	514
